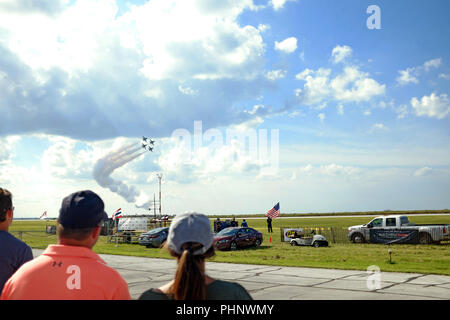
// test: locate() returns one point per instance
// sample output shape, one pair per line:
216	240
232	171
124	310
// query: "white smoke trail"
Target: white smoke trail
105	166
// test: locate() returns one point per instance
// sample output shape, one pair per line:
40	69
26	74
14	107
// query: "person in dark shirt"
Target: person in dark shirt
13	252
244	224
269	224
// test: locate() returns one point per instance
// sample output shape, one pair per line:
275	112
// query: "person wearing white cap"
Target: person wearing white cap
190	240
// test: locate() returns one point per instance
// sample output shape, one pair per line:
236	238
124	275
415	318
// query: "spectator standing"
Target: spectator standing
13	252
70	270
217	225
269	224
190	240
244	224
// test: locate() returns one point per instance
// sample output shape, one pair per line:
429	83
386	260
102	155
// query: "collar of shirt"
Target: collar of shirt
72	251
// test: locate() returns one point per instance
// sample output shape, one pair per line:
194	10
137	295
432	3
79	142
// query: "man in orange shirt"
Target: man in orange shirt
70	270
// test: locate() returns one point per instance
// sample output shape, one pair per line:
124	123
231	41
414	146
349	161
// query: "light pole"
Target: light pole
159	175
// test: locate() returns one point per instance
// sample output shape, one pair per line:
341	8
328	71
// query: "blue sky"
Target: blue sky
362	115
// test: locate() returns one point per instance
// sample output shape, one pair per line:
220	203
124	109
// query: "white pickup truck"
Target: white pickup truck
392	229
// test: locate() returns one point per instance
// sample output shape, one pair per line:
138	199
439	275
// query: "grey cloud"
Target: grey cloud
109	100
49	7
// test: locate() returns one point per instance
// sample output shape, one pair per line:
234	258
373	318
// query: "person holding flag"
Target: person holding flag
271	214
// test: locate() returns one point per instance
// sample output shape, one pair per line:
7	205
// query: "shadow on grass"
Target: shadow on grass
251	248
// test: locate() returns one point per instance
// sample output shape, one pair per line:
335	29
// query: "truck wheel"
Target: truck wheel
257	243
425	238
293	243
233	246
316	244
358	238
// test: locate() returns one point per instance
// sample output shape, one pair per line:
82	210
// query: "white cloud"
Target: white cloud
263	27
288	45
444	76
340	109
406	77
432	106
340	53
49	7
336	170
410	75
351	85
354	85
317	86
434	63
304	171
182	164
378	127
7	145
402	111
187	90
294	114
424	171
278	4
63	161
276	74
321	116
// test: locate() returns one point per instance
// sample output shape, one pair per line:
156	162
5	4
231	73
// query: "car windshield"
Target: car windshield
157	230
227	232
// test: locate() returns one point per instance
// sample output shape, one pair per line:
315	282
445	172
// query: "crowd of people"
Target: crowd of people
71	270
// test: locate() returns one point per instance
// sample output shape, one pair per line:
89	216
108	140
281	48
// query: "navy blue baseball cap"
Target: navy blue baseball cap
82	209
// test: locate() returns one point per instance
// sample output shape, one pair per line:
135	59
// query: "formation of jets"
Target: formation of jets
148	143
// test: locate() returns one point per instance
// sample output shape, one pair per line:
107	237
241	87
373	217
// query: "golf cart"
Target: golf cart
315	240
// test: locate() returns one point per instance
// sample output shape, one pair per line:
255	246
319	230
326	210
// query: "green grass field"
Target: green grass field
432	259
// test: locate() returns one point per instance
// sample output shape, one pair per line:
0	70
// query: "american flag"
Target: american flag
44	215
274	212
117	214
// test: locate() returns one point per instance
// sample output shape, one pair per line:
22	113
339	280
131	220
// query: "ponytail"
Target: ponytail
189	282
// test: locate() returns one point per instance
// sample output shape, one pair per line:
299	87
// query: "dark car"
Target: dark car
154	238
235	237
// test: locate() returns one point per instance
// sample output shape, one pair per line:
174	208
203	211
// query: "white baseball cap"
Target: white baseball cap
190	227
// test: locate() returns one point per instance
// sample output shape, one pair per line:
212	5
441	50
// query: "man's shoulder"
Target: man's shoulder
8	240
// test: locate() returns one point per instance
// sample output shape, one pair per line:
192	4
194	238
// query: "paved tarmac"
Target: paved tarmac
287	283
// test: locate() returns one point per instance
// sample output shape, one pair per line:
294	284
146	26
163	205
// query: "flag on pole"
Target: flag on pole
117	214
43	216
274	212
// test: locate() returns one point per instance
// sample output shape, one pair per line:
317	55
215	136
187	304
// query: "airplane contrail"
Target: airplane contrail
105	166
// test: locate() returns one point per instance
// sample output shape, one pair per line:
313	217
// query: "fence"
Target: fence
333	234
431	234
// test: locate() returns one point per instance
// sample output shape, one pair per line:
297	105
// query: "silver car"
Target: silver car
154	238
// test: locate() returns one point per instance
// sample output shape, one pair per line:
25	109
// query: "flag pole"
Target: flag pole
116	232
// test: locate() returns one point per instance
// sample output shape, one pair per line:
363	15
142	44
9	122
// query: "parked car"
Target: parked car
398	229
154	238
238	237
